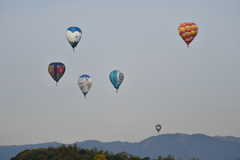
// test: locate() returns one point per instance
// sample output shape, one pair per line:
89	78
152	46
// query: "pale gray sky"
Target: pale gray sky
194	90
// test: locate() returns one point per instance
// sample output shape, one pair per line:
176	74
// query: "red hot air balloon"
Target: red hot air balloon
158	127
188	31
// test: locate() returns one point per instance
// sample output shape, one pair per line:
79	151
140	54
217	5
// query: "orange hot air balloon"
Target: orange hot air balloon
188	31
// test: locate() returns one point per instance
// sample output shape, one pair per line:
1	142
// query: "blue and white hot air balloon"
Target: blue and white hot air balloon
116	77
74	35
85	83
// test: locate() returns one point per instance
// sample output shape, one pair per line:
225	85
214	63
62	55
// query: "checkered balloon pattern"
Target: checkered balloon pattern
188	31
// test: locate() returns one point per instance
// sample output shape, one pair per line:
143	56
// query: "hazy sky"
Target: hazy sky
195	90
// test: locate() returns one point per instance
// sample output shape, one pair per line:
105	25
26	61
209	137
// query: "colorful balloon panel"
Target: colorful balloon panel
73	35
188	31
85	83
158	127
56	70
116	77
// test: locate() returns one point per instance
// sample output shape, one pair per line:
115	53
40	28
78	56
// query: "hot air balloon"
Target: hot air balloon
158	127
188	31
116	77
56	70
74	35
85	83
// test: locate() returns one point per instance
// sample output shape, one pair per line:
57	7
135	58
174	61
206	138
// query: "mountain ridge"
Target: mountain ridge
180	145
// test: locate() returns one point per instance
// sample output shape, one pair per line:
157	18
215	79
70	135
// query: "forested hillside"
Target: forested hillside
70	152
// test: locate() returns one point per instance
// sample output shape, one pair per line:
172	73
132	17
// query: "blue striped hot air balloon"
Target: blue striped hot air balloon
116	77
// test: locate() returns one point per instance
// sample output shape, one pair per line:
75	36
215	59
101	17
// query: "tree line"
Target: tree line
72	152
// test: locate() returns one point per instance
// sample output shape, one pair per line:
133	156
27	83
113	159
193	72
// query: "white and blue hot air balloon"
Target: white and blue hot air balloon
74	35
85	83
116	77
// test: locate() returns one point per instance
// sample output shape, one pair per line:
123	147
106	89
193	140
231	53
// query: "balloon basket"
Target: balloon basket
116	91
56	84
73	50
85	97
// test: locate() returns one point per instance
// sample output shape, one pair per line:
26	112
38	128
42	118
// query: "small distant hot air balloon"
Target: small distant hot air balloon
158	127
56	70
188	31
116	77
85	83
74	35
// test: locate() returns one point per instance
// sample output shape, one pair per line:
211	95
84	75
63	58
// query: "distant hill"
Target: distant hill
180	145
7	152
229	138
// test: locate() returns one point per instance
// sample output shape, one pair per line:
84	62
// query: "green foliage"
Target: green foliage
72	152
19	154
170	157
134	157
99	157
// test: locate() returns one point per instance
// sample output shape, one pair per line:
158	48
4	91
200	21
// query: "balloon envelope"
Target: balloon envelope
56	70
85	83
188	31
73	35
116	77
158	127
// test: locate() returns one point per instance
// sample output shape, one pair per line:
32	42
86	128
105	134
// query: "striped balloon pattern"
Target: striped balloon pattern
188	31
73	35
56	70
158	127
85	83
116	77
